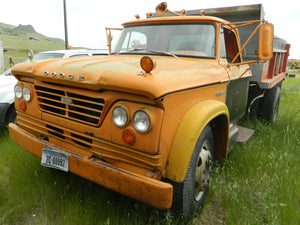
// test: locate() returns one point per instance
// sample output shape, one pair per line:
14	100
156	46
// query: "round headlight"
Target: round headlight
120	116
18	92
26	94
141	121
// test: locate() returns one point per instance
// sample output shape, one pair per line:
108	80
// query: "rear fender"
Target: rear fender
191	126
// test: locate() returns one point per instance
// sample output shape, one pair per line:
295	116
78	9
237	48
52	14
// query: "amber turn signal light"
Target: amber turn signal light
22	105
128	136
147	63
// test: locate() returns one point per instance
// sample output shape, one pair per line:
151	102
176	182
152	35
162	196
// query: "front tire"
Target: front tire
191	194
11	115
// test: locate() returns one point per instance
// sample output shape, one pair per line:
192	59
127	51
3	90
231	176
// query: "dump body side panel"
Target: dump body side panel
268	74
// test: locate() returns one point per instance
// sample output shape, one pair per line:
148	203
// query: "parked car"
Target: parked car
68	53
8	81
7	98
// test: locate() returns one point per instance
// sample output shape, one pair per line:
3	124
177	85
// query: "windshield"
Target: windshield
196	40
45	56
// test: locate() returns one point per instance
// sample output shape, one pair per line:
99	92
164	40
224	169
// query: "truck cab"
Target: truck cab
149	119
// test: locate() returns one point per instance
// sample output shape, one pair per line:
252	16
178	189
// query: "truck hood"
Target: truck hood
123	73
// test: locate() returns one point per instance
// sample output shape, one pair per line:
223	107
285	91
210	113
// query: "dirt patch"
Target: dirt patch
211	214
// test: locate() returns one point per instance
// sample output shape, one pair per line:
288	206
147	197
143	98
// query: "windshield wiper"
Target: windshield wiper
164	53
153	51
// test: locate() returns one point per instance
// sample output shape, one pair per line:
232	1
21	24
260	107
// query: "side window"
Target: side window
134	40
231	45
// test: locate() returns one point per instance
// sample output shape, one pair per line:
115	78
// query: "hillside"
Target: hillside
17	39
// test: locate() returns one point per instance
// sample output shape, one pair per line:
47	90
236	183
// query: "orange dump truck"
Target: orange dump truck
148	120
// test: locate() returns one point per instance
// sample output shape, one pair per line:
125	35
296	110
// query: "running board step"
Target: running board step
244	134
238	134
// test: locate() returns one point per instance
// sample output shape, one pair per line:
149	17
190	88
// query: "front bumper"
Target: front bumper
150	191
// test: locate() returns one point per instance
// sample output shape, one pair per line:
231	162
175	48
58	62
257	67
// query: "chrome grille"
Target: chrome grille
71	105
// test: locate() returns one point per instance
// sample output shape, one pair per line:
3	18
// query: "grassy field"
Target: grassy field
258	184
18	52
17	43
294	73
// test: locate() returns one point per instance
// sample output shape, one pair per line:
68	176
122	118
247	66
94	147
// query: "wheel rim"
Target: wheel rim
203	170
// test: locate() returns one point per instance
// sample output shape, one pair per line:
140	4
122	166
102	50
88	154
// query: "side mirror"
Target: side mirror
265	41
110	37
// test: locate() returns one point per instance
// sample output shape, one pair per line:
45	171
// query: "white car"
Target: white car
8	81
7	98
68	53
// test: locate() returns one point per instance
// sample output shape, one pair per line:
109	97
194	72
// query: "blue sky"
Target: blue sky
87	19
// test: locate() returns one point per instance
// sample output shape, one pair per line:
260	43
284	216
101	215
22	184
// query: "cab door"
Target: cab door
238	85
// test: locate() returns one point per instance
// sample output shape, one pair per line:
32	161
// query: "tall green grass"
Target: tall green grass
258	184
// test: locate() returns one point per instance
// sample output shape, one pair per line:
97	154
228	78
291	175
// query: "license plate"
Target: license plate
54	159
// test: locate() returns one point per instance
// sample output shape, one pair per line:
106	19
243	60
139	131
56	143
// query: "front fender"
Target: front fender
188	133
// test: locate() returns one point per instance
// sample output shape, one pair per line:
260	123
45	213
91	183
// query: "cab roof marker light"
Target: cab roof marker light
183	12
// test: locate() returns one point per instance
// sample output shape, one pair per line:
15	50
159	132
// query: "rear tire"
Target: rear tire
270	104
189	196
